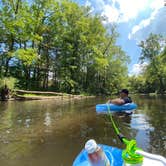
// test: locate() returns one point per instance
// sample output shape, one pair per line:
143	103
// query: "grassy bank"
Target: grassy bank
41	95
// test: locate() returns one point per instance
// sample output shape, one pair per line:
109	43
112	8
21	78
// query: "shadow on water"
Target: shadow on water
34	133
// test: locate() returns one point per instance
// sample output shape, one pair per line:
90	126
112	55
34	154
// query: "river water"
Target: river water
52	133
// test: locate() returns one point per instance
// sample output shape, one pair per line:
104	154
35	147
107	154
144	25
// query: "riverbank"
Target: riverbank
43	95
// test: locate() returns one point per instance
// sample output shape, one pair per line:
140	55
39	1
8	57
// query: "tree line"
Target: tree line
153	77
61	46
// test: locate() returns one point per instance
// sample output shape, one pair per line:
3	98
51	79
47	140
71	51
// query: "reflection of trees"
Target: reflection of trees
157	119
28	127
154	108
20	124
11	142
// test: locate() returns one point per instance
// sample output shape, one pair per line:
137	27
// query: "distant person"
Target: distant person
5	93
124	98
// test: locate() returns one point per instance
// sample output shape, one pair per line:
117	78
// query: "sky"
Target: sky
135	20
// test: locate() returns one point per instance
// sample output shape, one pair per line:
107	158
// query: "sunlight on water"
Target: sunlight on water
140	122
53	133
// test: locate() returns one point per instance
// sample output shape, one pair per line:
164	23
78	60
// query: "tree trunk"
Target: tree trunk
27	76
7	67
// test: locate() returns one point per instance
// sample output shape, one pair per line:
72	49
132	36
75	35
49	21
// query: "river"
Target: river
50	132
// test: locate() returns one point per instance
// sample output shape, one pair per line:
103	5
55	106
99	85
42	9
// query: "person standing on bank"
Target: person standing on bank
124	98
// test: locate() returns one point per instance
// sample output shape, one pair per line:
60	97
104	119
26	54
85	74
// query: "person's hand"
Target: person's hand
109	101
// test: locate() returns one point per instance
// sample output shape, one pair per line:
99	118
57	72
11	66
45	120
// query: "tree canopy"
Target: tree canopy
59	45
153	79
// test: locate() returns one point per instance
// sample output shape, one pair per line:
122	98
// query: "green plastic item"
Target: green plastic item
129	155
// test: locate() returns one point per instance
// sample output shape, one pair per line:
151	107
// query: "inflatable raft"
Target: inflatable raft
113	154
115	157
102	108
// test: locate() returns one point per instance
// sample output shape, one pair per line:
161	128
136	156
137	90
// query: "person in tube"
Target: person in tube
124	98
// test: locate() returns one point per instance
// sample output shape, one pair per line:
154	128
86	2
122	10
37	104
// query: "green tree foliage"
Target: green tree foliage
153	79
9	81
60	45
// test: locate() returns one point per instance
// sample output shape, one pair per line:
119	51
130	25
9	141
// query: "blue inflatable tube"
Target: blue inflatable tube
115	108
113	154
115	157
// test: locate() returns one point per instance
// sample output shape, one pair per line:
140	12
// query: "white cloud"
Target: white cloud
88	3
111	13
120	10
138	68
130	9
157	4
141	25
155	7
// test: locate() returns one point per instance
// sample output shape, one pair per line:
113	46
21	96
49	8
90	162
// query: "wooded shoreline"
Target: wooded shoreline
44	95
50	95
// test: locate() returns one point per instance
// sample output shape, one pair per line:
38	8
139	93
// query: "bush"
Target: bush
9	81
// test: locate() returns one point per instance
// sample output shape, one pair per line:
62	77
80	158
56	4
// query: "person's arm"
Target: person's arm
117	101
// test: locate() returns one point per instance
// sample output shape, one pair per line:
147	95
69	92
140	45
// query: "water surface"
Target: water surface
50	132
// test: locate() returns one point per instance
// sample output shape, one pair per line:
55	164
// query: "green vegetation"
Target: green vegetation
9	81
60	46
153	78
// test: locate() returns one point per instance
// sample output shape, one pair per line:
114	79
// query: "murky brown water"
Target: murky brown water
40	133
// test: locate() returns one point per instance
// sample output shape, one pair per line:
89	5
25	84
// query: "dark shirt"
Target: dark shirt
127	100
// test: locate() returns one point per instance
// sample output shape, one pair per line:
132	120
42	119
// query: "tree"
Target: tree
61	38
152	50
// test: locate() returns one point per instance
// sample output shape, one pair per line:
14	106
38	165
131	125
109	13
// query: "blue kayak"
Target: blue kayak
113	154
101	108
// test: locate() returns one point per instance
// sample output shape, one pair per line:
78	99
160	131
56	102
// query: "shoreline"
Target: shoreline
44	95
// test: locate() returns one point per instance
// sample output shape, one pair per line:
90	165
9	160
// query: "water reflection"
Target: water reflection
53	133
47	120
153	108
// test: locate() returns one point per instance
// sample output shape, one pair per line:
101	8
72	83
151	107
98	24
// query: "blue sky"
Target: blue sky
135	20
